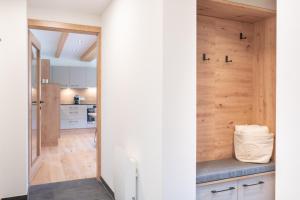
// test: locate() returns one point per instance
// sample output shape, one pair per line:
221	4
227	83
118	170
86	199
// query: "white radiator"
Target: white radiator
125	176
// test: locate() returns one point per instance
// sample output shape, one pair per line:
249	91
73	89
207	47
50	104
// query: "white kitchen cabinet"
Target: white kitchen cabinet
60	75
77	77
73	111
260	187
73	124
221	191
75	116
91	77
257	188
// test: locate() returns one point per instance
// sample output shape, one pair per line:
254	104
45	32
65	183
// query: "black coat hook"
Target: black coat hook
242	37
204	57
227	59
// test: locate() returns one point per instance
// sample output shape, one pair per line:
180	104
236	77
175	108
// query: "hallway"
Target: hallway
74	158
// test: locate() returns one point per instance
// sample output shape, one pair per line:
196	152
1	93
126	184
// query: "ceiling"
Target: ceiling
92	7
74	47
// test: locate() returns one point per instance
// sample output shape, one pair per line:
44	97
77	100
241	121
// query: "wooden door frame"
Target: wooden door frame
32	41
84	29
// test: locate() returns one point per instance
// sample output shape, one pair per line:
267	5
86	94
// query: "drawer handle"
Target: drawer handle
218	191
249	185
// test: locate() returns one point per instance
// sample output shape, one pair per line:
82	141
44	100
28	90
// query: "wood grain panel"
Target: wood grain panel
241	92
206	38
50	114
61	43
90	54
63	27
264	65
45	69
233	11
224	90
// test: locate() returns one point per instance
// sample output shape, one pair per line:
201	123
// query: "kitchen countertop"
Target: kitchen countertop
229	168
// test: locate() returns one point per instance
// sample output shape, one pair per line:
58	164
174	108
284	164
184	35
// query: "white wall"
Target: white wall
132	90
149	101
13	98
179	100
288	98
59	16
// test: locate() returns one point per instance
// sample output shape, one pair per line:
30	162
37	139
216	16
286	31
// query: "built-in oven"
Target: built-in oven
91	114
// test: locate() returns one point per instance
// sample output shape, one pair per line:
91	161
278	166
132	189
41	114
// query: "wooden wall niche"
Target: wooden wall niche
239	92
264	66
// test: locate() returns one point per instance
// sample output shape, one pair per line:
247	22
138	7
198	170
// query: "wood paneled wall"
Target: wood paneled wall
240	92
225	90
264	62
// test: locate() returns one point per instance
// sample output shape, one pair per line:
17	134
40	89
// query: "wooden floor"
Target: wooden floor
74	158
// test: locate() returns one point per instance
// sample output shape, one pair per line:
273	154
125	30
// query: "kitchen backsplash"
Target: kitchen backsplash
67	95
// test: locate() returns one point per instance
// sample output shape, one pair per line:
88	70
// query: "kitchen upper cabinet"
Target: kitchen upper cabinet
77	77
91	77
74	77
60	75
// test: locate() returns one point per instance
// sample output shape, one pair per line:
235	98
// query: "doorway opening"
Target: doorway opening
64	102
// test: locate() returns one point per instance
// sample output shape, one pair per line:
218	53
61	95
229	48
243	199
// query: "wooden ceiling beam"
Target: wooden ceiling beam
61	44
63	27
90	54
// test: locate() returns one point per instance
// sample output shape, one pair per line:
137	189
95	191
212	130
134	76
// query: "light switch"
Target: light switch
45	81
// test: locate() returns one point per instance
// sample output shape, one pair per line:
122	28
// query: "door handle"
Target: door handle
249	185
218	191
35	102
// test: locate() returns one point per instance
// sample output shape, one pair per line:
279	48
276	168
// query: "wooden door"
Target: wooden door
51	114
34	69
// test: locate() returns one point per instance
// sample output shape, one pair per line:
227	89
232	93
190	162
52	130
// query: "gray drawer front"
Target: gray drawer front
71	124
257	188
222	191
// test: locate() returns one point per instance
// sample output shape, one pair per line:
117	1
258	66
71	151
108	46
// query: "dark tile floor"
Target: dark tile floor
85	189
